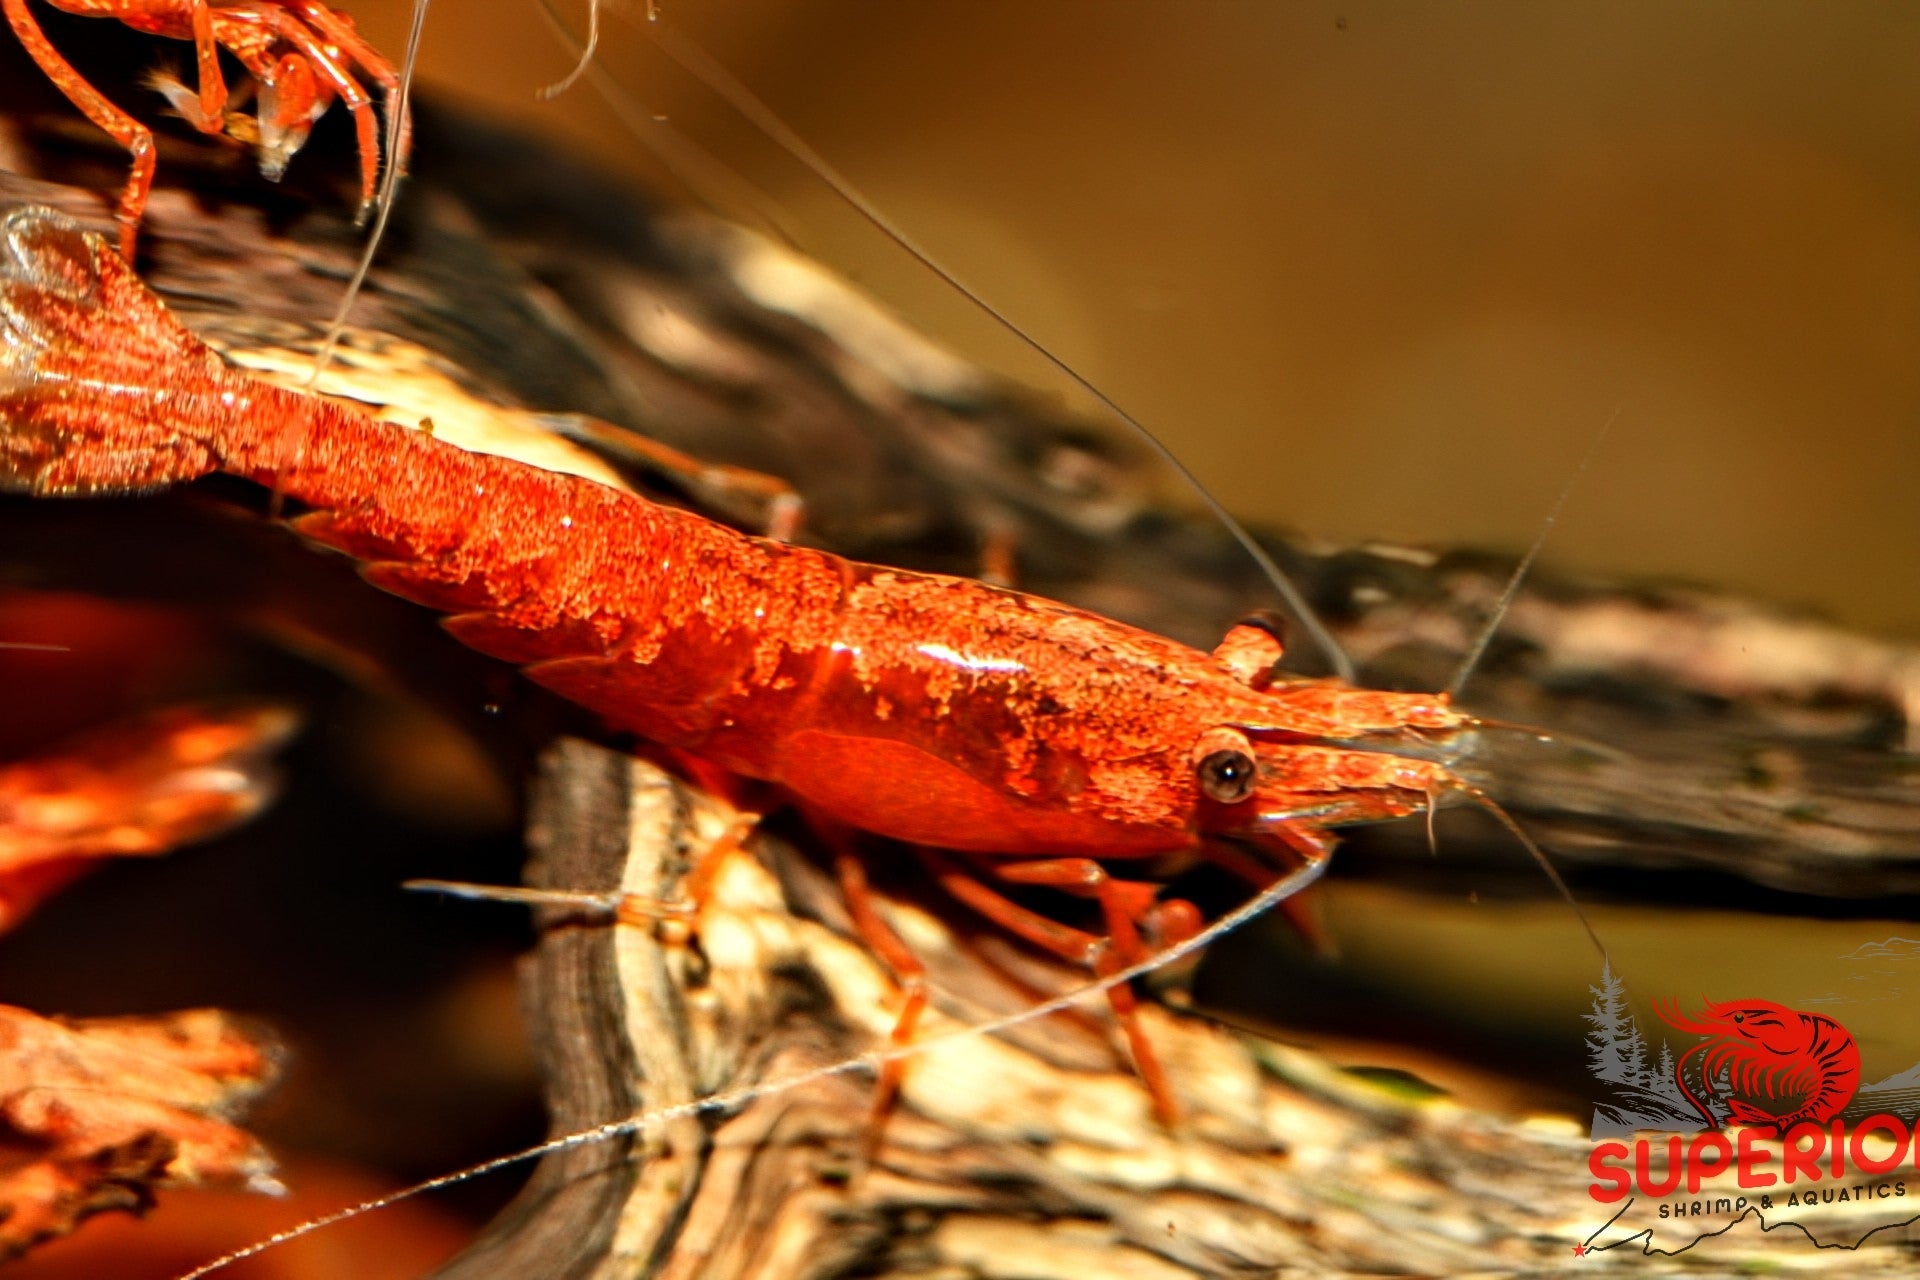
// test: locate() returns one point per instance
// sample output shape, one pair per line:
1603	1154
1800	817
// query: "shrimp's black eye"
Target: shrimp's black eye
1228	776
1224	765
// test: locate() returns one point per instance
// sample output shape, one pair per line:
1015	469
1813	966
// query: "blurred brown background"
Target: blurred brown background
1373	270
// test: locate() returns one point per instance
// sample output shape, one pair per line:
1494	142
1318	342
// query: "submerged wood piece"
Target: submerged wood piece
138	787
96	1113
1032	1155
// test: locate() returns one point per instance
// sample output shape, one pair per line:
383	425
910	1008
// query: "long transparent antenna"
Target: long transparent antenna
698	63
1520	571
715	185
1285	887
583	50
1539	856
396	126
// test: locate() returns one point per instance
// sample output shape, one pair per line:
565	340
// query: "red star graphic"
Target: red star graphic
1580	1251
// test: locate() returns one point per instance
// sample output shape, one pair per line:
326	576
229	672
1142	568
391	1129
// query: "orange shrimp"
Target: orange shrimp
1032	738
300	52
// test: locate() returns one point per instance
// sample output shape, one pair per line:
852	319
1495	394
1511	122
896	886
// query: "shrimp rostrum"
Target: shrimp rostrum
1032	742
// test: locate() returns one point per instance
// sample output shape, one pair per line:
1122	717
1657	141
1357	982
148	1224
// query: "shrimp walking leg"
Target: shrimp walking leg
303	55
908	973
206	108
754	497
336	32
121	127
1122	902
1300	911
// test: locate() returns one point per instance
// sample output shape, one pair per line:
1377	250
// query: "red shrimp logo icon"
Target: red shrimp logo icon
1768	1066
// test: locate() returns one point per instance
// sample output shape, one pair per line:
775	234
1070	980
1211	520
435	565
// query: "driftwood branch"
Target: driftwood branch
1032	1155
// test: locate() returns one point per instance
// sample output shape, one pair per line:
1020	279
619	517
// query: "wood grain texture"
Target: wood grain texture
1031	1155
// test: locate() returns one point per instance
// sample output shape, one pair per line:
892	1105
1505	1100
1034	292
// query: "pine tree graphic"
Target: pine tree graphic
1640	1092
1615	1052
